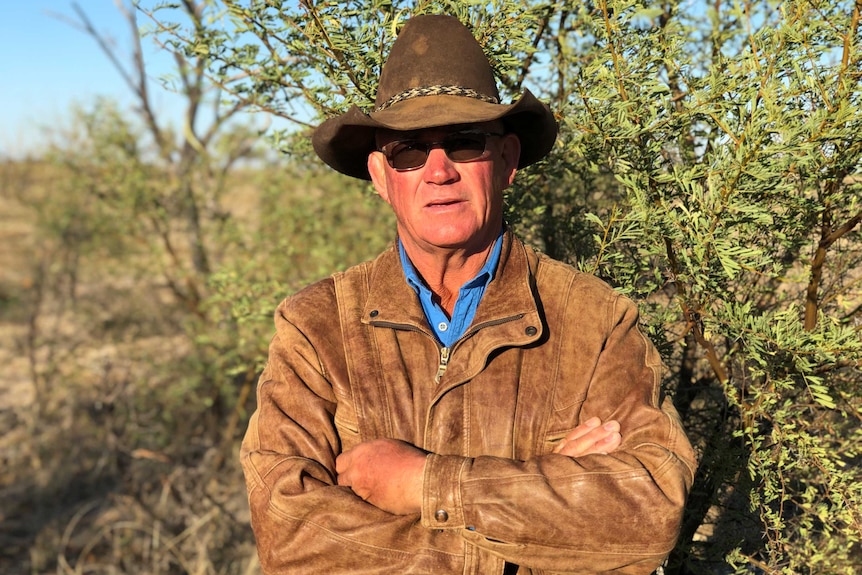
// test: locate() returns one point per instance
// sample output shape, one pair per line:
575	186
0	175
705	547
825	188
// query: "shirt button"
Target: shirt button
442	326
531	330
441	516
374	313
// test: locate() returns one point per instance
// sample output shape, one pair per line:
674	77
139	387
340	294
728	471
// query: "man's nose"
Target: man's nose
438	167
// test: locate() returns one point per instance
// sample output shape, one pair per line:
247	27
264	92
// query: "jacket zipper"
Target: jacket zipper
444	363
445	352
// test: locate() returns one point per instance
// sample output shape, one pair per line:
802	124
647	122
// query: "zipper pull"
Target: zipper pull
444	362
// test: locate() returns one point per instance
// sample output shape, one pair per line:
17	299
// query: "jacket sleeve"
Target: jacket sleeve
618	513
302	520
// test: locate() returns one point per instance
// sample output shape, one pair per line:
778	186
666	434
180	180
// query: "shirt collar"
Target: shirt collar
483	278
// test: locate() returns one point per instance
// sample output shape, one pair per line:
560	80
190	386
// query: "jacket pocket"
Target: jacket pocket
347	425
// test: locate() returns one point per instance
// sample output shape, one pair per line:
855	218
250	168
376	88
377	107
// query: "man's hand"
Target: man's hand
591	437
386	473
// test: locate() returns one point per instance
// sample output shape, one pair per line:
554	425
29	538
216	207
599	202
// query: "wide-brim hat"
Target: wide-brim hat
436	75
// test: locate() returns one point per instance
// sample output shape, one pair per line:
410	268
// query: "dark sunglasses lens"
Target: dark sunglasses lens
464	147
459	147
407	155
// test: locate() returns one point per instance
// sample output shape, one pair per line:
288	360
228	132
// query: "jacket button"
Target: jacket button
374	313
531	330
441	516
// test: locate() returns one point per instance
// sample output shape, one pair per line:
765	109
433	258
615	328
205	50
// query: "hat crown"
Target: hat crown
435	51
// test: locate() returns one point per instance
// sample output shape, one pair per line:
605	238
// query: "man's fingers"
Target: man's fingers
591	437
609	443
578	434
611	427
343	463
584	429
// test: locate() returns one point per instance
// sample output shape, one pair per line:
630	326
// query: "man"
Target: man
460	404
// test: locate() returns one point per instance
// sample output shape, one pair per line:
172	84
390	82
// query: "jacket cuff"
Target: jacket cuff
442	507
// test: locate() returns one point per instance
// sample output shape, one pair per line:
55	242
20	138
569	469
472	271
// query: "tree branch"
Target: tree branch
828	236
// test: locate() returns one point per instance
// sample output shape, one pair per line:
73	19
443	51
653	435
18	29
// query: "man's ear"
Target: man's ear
377	170
511	152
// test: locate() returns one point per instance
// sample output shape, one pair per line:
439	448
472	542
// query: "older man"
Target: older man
460	404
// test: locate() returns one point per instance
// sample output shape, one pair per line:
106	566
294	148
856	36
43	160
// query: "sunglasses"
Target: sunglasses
411	154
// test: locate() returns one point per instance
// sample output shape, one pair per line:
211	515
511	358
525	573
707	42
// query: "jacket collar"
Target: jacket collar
391	302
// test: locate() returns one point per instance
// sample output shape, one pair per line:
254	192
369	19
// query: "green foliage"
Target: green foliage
729	167
725	168
278	228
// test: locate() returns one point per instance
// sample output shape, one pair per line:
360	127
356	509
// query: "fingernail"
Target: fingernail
593	422
611	426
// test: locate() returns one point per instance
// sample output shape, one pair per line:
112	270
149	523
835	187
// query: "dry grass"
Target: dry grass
106	468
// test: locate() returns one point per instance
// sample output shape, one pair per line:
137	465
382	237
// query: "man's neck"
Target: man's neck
444	271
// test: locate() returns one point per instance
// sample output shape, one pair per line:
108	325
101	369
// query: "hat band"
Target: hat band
436	91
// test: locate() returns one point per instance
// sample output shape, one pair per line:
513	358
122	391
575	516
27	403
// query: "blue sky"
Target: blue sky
46	65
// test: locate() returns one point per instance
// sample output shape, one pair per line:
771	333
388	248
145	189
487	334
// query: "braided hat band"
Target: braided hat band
435	91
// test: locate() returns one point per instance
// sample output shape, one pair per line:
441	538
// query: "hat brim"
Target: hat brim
345	141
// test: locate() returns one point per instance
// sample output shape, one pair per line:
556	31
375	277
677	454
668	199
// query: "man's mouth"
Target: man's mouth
438	203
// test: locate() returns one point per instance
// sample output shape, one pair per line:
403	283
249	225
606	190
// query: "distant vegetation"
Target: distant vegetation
123	395
709	165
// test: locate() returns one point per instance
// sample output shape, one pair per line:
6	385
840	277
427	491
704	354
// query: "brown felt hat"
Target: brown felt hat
436	75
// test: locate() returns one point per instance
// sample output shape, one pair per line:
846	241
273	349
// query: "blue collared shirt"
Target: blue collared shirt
448	331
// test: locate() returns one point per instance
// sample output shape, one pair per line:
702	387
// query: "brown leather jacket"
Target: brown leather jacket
353	360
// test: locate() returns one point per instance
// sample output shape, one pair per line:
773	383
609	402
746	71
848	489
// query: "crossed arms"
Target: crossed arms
387	473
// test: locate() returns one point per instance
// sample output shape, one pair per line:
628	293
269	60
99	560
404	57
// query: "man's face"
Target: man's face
446	204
